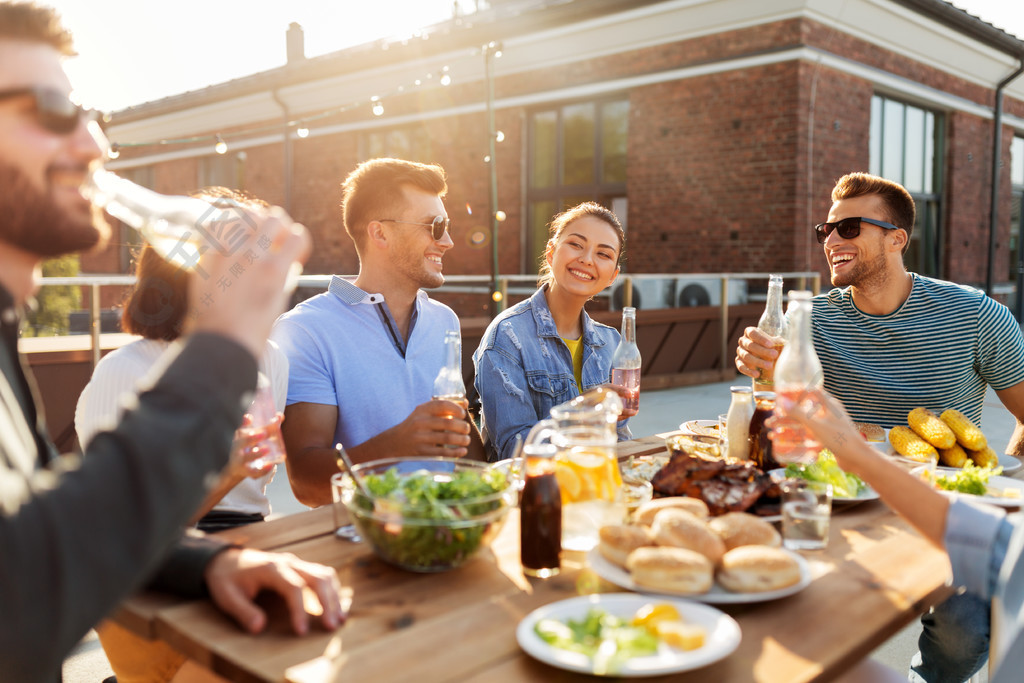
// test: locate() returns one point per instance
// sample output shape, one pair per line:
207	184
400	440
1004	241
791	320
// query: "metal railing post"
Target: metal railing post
503	289
723	312
94	322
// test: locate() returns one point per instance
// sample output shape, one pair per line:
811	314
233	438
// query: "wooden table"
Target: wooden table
875	577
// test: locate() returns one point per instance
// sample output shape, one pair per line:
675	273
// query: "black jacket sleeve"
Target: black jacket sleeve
76	542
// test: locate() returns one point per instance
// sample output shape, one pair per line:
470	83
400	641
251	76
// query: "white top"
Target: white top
125	372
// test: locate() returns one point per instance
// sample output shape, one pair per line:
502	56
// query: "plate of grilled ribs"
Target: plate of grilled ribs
725	484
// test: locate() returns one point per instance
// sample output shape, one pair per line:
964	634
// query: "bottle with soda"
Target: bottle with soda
625	375
448	385
797	369
540	520
761	447
772	323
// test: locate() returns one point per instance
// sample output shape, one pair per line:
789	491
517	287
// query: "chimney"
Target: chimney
296	43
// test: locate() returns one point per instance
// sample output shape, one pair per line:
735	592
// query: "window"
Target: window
905	148
131	240
223	170
576	153
411	143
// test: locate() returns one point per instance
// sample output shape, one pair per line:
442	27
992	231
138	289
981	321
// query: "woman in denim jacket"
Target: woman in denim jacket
546	350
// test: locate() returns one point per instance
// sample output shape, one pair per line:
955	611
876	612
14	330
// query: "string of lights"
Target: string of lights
300	125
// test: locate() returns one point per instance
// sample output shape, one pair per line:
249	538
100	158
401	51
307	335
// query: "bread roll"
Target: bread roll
741	528
671	569
681	529
870	431
646	512
757	568
618	541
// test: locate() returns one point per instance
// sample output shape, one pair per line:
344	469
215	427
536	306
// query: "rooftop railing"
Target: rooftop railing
628	289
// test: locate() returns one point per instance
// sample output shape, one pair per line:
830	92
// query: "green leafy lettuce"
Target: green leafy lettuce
826	470
608	640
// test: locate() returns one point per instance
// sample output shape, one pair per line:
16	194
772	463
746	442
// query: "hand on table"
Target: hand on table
237	575
756	351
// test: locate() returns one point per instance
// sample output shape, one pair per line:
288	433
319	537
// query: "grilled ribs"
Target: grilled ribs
726	485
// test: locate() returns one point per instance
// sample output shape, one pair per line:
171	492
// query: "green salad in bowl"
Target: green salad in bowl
428	514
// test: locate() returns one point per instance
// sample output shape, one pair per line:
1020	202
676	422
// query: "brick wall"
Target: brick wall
726	172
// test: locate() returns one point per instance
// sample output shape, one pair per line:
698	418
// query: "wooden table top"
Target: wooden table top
874	578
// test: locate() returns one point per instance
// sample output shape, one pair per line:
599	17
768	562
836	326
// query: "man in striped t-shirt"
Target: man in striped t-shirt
890	341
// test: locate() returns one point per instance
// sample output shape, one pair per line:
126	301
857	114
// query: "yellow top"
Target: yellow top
576	350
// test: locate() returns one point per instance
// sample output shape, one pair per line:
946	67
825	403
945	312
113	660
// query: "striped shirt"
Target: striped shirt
938	350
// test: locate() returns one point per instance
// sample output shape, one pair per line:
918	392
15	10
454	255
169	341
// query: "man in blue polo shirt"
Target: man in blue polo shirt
890	341
363	355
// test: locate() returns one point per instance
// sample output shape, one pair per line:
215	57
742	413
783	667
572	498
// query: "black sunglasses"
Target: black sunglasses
848	228
438	227
55	112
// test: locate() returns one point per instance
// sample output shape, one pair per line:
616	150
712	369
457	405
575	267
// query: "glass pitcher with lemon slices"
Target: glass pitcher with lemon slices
583	432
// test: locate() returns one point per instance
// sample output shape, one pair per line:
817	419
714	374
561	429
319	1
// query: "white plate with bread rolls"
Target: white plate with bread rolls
672	547
748	572
722	635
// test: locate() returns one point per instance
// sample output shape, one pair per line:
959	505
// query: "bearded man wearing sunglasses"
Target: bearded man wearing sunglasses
363	355
890	341
78	535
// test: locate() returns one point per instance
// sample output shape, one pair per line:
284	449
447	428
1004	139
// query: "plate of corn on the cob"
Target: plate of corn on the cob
949	438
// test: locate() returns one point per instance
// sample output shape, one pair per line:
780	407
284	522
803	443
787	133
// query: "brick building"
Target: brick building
715	129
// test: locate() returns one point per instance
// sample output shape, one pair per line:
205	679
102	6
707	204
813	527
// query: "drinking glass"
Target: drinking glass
806	510
262	416
343	526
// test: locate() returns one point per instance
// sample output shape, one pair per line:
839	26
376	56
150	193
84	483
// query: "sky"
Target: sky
135	51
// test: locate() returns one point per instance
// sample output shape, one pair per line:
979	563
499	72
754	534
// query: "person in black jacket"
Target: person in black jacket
78	535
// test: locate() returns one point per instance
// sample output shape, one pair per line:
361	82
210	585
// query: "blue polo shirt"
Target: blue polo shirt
344	349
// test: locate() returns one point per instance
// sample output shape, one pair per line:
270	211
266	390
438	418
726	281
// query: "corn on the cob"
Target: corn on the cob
910	445
929	427
986	457
967	433
953	457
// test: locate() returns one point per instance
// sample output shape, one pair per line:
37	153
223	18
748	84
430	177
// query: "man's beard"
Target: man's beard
33	221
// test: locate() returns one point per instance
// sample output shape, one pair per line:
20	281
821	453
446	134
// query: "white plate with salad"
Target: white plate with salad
1002	491
716	596
562	635
846	487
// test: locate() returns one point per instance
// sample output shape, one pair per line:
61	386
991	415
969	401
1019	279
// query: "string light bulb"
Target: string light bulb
499	136
221	147
378	106
446	79
302	131
114	151
500	216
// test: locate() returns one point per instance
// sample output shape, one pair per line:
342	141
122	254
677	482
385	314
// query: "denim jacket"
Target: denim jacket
523	369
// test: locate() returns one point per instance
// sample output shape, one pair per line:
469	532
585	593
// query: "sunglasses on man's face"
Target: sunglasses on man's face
848	228
438	227
54	111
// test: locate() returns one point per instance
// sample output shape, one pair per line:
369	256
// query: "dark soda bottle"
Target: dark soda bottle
760	444
540	514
